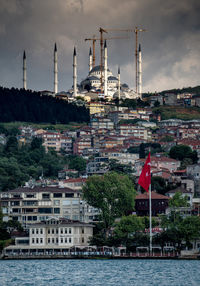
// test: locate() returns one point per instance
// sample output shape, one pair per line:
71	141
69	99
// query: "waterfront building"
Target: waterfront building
53	236
159	204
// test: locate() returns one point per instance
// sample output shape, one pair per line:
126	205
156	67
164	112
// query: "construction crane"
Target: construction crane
101	39
136	30
94	42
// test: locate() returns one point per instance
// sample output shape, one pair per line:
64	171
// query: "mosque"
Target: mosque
99	82
110	87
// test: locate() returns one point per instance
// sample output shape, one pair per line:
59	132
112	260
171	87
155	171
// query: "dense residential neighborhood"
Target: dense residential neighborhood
52	205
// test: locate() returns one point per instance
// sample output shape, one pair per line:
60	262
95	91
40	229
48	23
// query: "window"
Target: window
56	240
82	230
56	202
48	240
46	196
48	231
61	240
70	240
66	240
52	240
41	231
70	230
33	240
52	231
69	195
37	240
56	210
82	239
56	230
61	230
57	195
41	240
30	196
45	210
65	230
33	231
37	231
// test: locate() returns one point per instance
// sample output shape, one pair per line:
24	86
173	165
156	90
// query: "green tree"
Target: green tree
36	143
178	200
11	146
112	194
190	229
115	166
158	184
128	227
77	163
181	152
179	229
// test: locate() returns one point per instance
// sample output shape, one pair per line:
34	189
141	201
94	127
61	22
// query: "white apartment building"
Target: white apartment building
51	140
60	232
121	157
136	131
33	205
52	237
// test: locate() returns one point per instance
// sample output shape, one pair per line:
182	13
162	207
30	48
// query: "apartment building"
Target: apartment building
133	130
66	144
121	157
33	205
51	140
81	144
105	123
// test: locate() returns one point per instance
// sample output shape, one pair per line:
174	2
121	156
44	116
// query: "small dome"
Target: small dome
93	78
122	95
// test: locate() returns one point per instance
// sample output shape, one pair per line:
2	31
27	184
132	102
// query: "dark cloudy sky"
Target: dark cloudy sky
171	46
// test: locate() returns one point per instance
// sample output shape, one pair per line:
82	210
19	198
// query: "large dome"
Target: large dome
97	69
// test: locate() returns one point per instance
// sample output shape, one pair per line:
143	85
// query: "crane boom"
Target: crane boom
136	30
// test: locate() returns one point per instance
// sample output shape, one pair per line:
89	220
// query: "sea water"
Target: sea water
105	272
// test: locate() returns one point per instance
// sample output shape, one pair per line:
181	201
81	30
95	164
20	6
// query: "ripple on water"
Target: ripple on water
99	272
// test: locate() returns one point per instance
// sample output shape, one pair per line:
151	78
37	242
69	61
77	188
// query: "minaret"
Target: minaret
90	60
55	69
139	72
75	72
24	71
119	83
105	69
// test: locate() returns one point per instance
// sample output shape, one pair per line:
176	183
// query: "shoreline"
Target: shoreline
23	257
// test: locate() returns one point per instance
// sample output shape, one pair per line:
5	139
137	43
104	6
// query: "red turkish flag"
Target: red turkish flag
145	176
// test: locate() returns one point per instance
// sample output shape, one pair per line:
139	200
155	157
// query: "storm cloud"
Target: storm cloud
170	47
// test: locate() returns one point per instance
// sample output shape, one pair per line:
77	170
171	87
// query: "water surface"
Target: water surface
99	272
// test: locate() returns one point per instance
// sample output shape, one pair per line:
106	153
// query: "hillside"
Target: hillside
193	90
178	112
27	106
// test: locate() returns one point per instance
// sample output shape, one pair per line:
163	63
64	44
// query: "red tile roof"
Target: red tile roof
154	196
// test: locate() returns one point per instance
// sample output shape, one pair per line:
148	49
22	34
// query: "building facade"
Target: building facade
33	205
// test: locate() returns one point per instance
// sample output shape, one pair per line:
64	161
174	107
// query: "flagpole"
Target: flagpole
150	221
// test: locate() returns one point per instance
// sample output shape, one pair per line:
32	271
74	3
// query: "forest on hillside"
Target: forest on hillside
28	106
193	90
19	163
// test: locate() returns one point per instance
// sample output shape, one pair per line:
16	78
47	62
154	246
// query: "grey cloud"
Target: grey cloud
170	46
